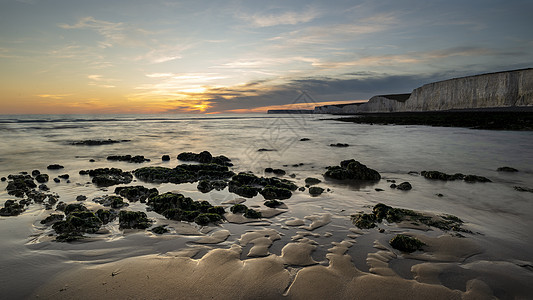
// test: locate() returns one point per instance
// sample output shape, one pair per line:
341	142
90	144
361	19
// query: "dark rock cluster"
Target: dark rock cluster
352	169
108	176
457	176
128	158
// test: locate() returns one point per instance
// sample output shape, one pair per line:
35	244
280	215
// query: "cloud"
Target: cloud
100	81
113	32
284	18
54	96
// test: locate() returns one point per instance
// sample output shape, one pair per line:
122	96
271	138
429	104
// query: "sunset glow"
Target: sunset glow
208	57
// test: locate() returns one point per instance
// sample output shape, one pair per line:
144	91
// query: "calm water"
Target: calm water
504	216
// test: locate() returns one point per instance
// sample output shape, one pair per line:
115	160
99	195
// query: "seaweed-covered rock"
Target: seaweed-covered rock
238	208
247	191
54	167
163	202
61	206
364	221
136	193
133	220
476	178
52	219
523	189
340	145
106	216
163	175
252	214
315	190
108	176
11	208
312	181
112	201
507	169
406	243
69	208
272	192
404	186
77	223
19	184
205	157
205	186
81	198
42	178
442	176
273	203
352	169
128	158
206	218
160	229
97	142
35	173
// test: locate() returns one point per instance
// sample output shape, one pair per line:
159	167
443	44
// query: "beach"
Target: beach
474	234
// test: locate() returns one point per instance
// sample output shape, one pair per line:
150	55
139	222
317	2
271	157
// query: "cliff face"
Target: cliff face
502	89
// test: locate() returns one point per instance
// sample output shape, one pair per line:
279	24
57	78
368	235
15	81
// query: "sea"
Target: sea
499	216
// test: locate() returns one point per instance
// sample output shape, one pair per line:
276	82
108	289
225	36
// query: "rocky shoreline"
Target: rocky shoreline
488	120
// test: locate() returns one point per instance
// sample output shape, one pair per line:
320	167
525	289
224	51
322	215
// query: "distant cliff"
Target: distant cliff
290	111
493	90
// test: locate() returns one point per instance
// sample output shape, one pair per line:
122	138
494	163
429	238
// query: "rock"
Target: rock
44	187
97	142
279	172
238	208
56	180
304	139
265	150
206	218
133	220
406	243
92	160
440	195
269	170
3	179
52	219
379	190
340	145
205	186
404	186
315	190
180	208
391	180
81	198
165	158
476	178
112	201
301	189
54	167
128	158
11	208
78	221
413	173
160	229
64	176
205	157
136	193
352	169
523	189
41	178
61	206
243	190
35	173
292	175
252	214
312	181
106	216
272	192
108	176
364	221
36	196
273	203
507	169
441	176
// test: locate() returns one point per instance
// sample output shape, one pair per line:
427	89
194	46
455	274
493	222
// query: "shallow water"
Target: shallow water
502	215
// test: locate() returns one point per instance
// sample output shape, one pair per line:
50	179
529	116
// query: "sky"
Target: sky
163	56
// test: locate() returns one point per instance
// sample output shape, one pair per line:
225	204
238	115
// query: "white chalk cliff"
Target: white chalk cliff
492	90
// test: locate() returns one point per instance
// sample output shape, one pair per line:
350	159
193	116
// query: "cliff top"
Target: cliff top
397	97
478	75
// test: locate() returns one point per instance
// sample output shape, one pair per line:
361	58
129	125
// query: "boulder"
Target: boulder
352	169
404	186
406	243
315	190
133	220
11	208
